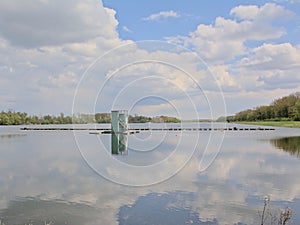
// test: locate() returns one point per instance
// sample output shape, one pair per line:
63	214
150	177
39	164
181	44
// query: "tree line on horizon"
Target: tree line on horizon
22	118
286	108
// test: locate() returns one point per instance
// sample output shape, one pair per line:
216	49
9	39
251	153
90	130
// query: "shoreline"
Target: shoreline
287	124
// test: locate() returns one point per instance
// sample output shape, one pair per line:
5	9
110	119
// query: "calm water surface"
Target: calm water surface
189	177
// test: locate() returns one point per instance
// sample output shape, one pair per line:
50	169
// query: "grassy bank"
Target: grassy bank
291	124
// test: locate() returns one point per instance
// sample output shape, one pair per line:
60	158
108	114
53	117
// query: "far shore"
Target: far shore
289	124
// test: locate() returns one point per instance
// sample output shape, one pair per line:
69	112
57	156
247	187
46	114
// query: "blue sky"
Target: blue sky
189	15
182	58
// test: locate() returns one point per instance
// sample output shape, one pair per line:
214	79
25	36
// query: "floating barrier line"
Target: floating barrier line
108	130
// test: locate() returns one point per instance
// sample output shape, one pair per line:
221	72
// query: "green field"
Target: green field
291	124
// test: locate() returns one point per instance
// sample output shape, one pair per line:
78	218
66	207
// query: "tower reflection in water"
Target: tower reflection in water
119	143
119	131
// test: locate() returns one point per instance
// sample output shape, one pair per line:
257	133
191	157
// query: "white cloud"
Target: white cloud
266	13
248	12
125	28
225	39
225	79
133	74
45	48
242	69
63	80
30	71
273	66
32	23
162	15
273	56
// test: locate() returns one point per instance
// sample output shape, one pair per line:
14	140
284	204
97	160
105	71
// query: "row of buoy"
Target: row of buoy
135	130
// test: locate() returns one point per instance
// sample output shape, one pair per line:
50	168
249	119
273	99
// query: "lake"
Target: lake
163	177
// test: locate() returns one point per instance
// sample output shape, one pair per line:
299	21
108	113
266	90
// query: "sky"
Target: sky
189	59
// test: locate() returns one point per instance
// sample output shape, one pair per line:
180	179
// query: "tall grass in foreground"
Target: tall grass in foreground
268	217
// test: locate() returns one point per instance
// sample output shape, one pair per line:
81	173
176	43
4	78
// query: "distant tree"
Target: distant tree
296	114
165	119
138	119
4	119
285	108
17	118
102	117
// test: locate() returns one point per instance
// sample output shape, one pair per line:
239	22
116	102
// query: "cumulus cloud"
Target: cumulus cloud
243	68
225	39
272	66
46	46
273	56
248	12
125	28
268	12
64	79
176	74
39	23
162	15
39	54
225	79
